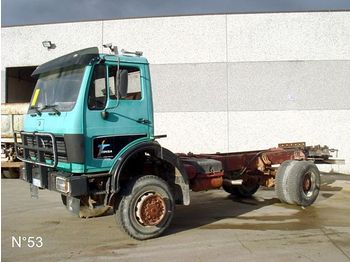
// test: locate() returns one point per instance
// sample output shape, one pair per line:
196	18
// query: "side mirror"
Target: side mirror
122	83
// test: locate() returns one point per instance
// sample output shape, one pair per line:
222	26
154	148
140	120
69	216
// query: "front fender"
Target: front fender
154	149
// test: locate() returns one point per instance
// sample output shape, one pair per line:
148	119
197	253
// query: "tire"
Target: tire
241	190
298	182
304	184
281	181
146	208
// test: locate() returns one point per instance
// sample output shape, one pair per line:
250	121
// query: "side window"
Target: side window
97	92
134	83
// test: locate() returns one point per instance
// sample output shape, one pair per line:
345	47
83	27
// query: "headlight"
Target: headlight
62	185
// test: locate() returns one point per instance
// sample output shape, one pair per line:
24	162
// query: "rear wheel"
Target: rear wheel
146	207
281	187
304	184
300	183
241	190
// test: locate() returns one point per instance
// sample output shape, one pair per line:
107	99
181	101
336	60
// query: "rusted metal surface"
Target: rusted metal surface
255	160
311	152
267	181
300	145
307	183
320	152
252	166
203	173
200	181
212	181
151	209
191	171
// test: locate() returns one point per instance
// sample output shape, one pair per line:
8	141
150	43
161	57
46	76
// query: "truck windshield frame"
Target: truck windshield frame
57	89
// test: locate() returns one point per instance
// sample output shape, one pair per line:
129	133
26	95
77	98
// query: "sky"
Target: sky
24	12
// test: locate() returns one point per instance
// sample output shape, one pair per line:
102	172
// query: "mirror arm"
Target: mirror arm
104	113
117	81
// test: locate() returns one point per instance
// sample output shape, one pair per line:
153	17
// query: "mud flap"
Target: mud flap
73	204
179	180
34	191
87	212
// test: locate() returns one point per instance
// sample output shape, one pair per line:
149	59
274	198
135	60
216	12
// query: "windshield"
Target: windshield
57	90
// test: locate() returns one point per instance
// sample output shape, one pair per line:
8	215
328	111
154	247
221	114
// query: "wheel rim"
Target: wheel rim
309	184
150	209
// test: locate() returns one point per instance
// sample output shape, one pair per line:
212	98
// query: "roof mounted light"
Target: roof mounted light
137	53
48	44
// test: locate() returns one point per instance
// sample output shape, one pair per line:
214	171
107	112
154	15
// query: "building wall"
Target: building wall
225	82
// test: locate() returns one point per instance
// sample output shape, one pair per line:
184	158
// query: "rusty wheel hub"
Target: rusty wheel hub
307	183
150	209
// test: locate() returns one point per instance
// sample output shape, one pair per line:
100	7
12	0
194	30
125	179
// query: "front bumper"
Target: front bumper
62	182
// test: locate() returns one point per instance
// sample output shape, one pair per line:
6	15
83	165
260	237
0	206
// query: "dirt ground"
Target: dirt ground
215	227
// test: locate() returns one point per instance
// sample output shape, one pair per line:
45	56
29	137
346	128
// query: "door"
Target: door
125	120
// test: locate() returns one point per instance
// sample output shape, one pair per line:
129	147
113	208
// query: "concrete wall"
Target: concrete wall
226	82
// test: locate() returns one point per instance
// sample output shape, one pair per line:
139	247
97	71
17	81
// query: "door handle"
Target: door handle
143	121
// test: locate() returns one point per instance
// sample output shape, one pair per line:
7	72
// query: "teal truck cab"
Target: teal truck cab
89	135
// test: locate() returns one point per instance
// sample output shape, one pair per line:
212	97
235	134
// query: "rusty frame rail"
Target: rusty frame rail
258	166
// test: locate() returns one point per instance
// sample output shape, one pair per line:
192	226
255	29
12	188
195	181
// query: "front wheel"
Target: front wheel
146	207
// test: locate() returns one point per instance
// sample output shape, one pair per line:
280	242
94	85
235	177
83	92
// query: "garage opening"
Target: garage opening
19	84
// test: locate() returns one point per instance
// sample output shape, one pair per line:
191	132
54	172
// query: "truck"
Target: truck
89	135
11	119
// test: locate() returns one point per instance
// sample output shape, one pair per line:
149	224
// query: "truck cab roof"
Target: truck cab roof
85	57
124	58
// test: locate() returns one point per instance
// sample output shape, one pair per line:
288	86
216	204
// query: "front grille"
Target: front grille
61	149
43	149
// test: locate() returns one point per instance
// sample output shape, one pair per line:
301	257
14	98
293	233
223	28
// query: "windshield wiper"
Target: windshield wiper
51	107
38	112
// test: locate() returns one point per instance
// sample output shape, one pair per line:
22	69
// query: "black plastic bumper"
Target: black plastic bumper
43	177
